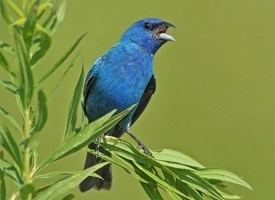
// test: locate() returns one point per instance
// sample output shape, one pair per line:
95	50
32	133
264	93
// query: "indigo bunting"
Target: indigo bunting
121	77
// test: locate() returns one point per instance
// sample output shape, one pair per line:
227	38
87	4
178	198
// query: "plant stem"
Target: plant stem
26	136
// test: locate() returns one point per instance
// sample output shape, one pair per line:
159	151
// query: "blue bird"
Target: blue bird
123	76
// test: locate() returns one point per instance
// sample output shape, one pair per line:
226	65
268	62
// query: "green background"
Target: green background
215	97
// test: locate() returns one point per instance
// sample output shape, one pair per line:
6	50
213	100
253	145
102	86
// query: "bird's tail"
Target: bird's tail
105	172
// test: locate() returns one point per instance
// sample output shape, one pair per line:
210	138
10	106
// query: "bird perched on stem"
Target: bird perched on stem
122	77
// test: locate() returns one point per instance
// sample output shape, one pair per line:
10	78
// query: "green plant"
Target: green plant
32	25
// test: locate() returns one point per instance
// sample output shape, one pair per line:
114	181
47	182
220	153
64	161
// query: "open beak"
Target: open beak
161	32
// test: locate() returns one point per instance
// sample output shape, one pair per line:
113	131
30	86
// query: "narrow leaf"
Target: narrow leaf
62	59
2	181
73	108
5	14
54	174
26	190
15	8
25	73
9	143
9	118
42	112
61	11
11	171
3	62
114	159
157	179
43	8
198	183
30	24
9	86
64	186
58	17
229	196
152	191
43	42
176	157
6	47
68	197
18	23
65	73
87	135
223	175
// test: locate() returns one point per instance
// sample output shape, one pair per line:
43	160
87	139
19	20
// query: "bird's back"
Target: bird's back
120	77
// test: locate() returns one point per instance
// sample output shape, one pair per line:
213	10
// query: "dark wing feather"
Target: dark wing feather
147	94
90	80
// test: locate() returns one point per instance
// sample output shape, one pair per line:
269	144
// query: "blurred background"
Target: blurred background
215	97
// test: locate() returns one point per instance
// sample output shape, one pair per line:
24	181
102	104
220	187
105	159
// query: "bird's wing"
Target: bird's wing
148	92
90	80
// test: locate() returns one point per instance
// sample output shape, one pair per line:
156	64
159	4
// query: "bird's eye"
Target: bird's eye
148	26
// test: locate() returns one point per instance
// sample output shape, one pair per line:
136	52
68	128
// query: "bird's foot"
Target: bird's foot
145	149
97	142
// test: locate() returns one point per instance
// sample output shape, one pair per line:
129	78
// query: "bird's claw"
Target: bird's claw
97	143
145	150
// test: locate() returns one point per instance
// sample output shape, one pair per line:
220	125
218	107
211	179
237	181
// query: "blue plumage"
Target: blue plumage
123	76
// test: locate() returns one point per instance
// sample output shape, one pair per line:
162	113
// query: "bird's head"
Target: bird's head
149	33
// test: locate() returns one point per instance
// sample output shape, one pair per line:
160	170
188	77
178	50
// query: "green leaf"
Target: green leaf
43	42
2	181
65	73
2	186
30	24
3	62
61	12
88	134
49	22
62	59
73	108
26	190
18	23
158	180
5	14
190	191
65	185
184	188
152	191
119	162
229	196
6	47
41	189
176	157
197	183
54	174
69	197
9	118
223	175
15	8
26	92
43	7
175	165
10	86
9	143
11	171
56	18
42	112
127	151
